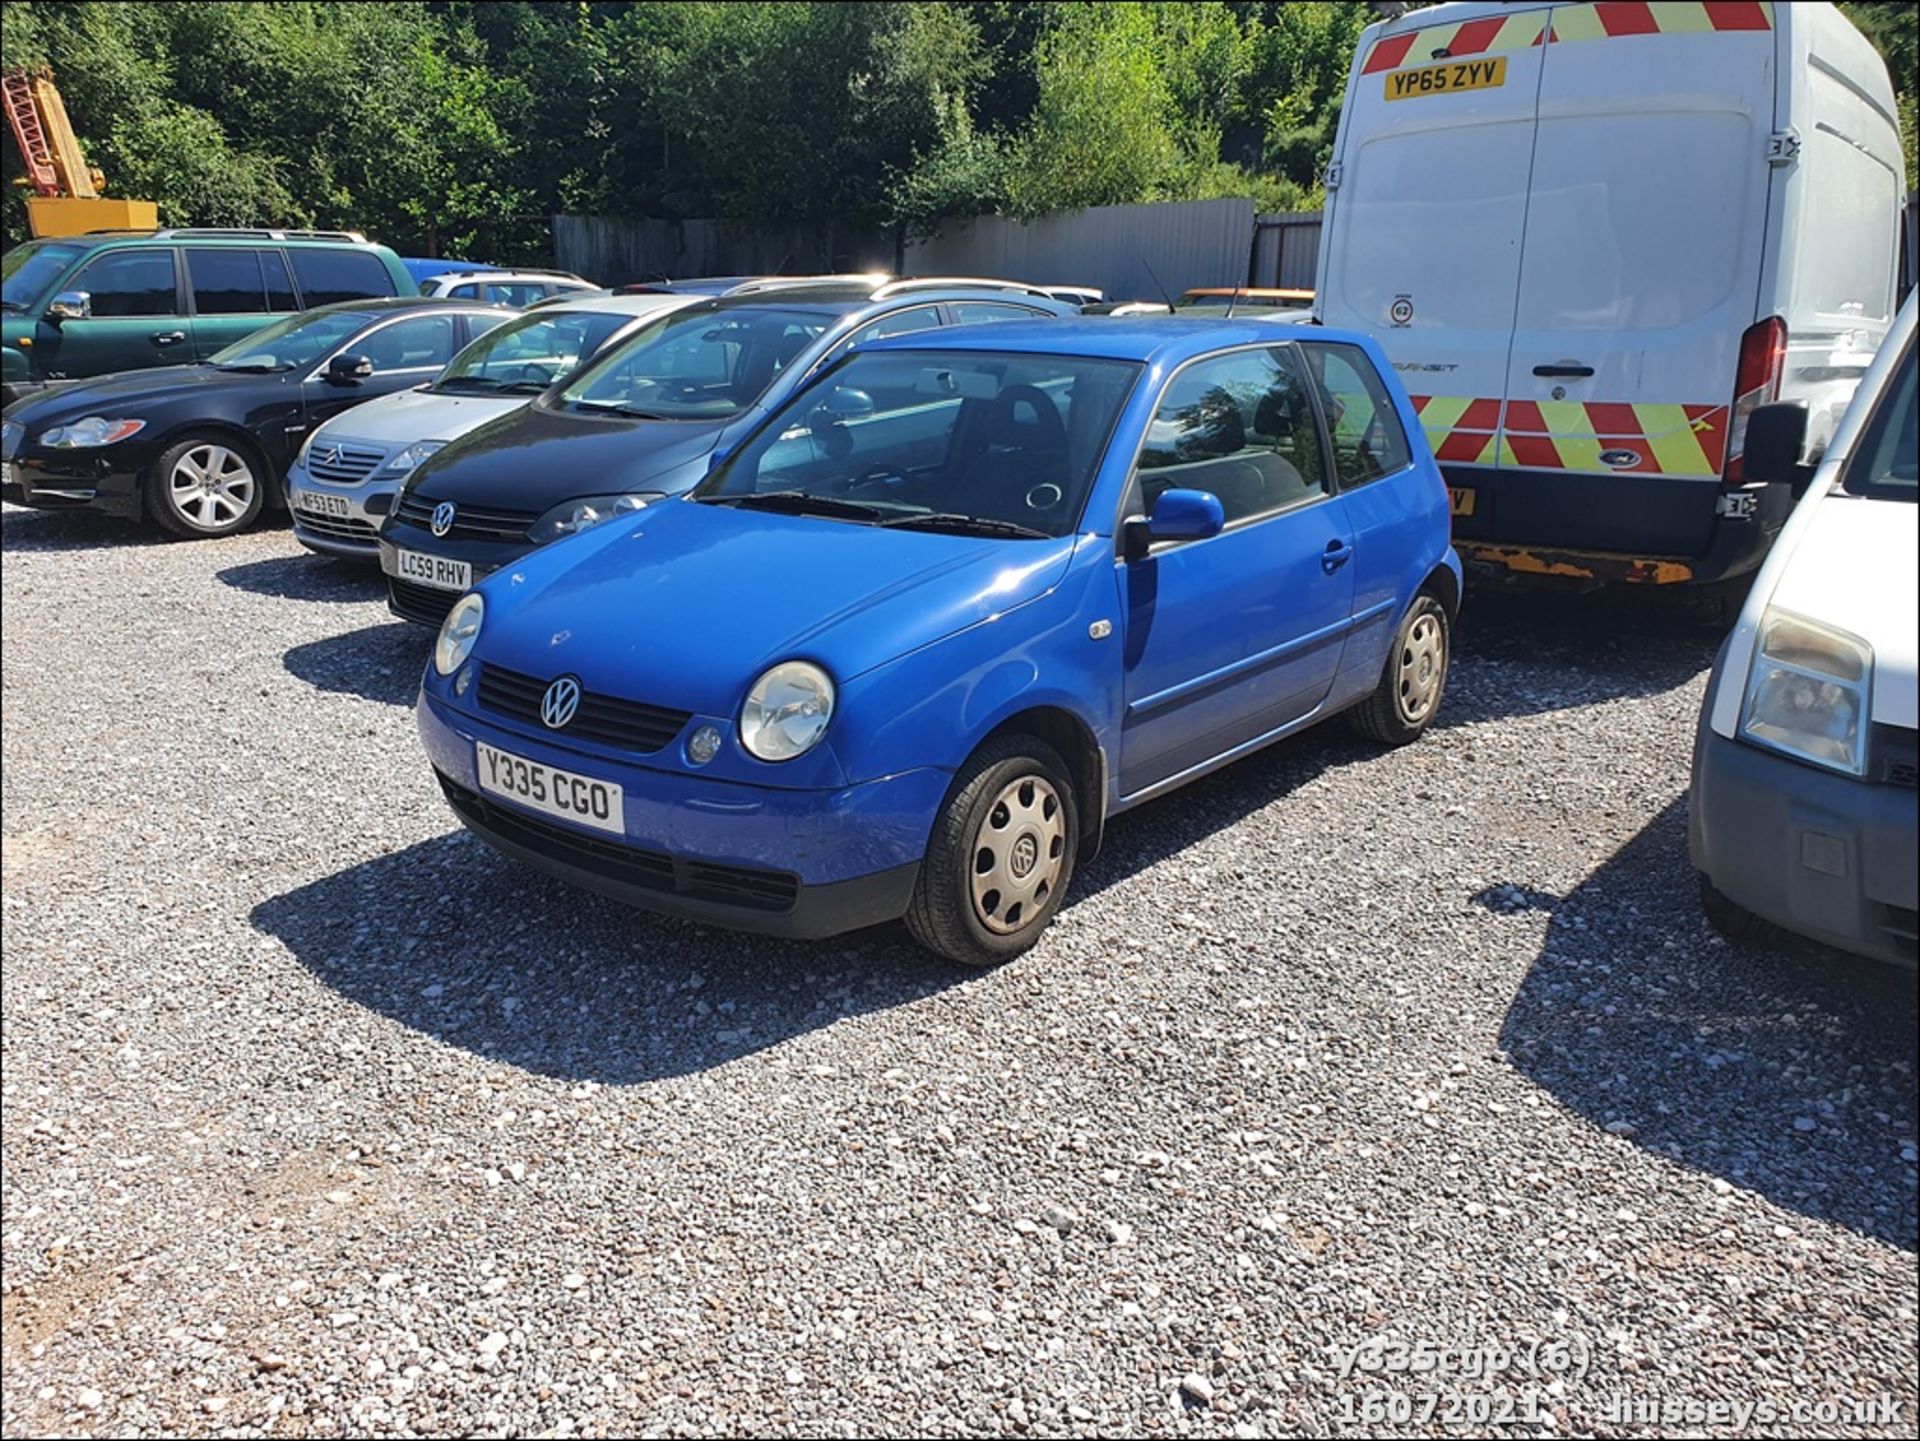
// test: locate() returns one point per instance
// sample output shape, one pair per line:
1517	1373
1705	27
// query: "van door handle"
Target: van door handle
1563	370
1337	554
168	337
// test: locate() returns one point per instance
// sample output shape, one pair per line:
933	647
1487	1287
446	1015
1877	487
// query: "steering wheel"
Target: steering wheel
534	373
876	475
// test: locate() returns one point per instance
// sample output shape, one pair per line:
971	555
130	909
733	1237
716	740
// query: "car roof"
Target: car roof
1245	291
381	304
1148	339
600	301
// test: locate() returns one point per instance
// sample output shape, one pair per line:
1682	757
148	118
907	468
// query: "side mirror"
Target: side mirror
348	369
1177	515
1776	437
70	305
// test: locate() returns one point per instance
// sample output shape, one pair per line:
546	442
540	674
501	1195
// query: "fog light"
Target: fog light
463	682
703	745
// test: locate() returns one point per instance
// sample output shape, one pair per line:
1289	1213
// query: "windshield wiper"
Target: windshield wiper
255	369
11	305
963	524
603	407
476	382
799	502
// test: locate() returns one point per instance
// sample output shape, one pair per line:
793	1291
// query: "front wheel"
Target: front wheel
1000	857
1402	706
205	486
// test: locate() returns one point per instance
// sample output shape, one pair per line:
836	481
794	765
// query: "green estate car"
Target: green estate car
86	305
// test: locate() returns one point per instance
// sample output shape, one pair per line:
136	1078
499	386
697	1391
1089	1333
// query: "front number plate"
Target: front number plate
562	794
1483	74
322	504
1460	500
434	570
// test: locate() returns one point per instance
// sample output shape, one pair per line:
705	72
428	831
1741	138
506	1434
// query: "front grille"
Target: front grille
335	527
419	602
742	886
630	725
470	522
1896	756
342	464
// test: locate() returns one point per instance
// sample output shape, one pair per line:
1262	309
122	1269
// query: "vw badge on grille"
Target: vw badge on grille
560	702
443	517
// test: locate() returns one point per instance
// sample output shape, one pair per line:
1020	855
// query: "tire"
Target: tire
1413	680
205	486
1729	917
1011	804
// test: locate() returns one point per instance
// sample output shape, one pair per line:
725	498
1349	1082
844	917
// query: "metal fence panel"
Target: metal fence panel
1287	251
1119	248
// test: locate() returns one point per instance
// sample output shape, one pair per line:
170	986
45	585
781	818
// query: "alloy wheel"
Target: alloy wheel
211	487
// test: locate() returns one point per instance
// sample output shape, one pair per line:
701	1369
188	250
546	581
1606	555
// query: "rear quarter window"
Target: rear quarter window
327	277
1368	439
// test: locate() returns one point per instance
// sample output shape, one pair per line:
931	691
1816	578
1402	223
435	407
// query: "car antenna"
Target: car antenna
1156	284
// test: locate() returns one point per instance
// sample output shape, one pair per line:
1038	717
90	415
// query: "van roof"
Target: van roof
1152	339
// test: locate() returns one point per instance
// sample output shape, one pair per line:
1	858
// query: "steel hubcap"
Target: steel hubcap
211	486
1423	662
1017	855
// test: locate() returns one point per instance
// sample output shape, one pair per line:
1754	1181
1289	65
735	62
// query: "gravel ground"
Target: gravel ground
321	1118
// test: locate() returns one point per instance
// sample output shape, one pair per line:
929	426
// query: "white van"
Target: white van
1592	238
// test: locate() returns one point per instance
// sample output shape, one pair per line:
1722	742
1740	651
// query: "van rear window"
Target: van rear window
327	277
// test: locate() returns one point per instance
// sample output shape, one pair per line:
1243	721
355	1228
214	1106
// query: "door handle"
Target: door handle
168	337
1337	554
1579	371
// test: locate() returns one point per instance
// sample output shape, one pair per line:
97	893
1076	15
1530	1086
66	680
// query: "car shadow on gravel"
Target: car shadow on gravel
460	943
30	530
306	577
1527	652
1789	1073
378	663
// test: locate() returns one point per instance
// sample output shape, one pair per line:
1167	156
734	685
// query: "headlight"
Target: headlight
583	513
1807	692
94	430
787	711
458	632
405	462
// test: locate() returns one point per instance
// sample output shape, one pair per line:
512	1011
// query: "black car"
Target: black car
643	419
202	449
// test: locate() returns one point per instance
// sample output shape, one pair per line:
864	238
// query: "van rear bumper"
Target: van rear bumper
1646	529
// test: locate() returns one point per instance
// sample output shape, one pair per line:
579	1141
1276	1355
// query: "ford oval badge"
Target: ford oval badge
1620	459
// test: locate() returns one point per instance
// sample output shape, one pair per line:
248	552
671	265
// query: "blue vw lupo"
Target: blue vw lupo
911	646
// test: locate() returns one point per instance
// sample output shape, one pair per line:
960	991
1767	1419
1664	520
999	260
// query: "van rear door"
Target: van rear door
1645	230
1426	210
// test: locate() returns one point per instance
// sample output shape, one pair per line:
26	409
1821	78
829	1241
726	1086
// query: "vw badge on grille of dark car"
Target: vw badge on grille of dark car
443	517
560	702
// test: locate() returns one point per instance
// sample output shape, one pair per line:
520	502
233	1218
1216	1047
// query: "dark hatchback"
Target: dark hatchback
643	421
202	449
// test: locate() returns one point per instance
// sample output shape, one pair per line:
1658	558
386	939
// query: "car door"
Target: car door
1426	209
1230	638
229	293
134	320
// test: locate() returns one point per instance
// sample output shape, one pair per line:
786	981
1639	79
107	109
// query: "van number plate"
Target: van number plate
1459	500
1482	74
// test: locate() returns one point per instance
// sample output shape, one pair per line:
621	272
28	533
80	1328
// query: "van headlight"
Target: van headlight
86	434
1807	692
458	632
786	712
583	513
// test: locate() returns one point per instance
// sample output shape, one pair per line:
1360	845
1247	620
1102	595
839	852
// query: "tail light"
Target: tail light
1763	356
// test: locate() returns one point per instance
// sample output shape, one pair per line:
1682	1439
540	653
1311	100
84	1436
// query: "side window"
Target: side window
974	312
417	344
901	322
1240	426
480	322
517	293
1368	441
226	282
469	291
280	294
329	276
131	282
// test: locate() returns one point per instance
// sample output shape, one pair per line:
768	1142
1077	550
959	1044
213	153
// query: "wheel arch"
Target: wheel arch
1443	584
1074	739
